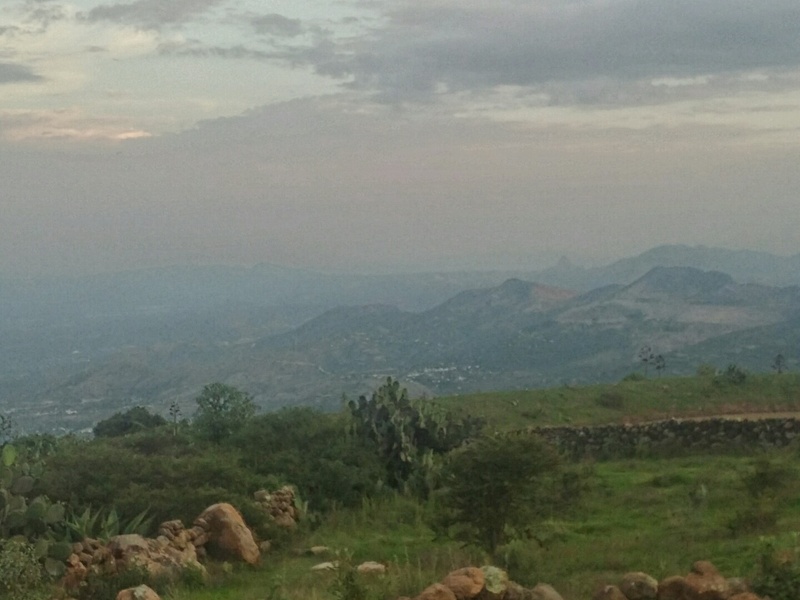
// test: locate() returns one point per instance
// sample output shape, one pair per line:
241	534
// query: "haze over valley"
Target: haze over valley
78	349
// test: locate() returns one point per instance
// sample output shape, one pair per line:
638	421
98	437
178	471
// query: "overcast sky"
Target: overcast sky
374	134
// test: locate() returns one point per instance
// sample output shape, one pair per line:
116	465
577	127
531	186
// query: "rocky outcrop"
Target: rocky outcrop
228	535
280	505
174	550
220	529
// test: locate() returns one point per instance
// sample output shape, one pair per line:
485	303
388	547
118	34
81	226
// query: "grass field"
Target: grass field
652	515
641	515
631	401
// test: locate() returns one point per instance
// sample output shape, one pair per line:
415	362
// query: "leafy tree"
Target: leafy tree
407	433
646	357
733	375
133	420
496	488
307	449
222	411
659	363
779	364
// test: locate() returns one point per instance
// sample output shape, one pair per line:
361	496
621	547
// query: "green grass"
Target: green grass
650	399
637	515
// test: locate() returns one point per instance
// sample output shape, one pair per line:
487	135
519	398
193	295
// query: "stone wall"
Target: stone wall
672	438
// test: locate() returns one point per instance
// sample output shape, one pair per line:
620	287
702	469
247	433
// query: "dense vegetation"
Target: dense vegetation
426	486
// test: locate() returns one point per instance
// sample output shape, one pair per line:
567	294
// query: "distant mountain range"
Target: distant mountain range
75	351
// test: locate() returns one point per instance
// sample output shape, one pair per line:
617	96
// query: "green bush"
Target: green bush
778	575
21	574
105	586
496	488
611	400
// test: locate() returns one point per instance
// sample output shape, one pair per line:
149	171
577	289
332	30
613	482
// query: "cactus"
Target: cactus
35	520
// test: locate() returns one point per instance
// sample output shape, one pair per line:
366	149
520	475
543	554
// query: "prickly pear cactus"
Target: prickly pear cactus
33	519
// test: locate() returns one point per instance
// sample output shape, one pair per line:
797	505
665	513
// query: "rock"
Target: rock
609	592
544	591
76	572
141	592
744	596
228	534
280	505
465	583
326	566
515	591
371	567
639	586
675	588
707	582
317	550
437	591
737	585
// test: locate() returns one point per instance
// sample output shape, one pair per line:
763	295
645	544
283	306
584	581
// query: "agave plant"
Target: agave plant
105	523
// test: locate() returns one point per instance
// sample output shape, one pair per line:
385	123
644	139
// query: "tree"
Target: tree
779	364
647	357
174	415
496	487
659	363
133	420
222	410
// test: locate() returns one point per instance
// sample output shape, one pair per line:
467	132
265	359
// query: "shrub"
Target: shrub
778	575
21	574
611	400
105	586
497	489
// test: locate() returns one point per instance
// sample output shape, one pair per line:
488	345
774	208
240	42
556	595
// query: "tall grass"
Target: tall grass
636	515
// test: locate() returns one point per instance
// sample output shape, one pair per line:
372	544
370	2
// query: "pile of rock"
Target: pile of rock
485	583
280	506
219	530
704	582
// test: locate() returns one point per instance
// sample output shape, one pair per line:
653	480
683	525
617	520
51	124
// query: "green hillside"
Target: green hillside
375	483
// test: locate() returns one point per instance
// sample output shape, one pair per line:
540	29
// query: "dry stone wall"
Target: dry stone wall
672	437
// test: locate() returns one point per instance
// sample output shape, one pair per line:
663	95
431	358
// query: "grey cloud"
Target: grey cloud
194	48
14	73
279	25
467	46
151	13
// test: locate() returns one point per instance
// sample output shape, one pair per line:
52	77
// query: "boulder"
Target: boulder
544	591
639	586
707	582
437	591
326	566
465	583
228	534
515	591
371	567
675	588
609	592
141	592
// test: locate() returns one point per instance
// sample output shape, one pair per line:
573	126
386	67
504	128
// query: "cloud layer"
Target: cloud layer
357	132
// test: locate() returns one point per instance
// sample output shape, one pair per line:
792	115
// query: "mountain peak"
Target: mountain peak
679	281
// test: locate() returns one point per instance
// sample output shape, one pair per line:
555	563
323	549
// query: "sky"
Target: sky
371	135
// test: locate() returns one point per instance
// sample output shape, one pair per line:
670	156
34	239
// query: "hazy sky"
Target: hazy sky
368	133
